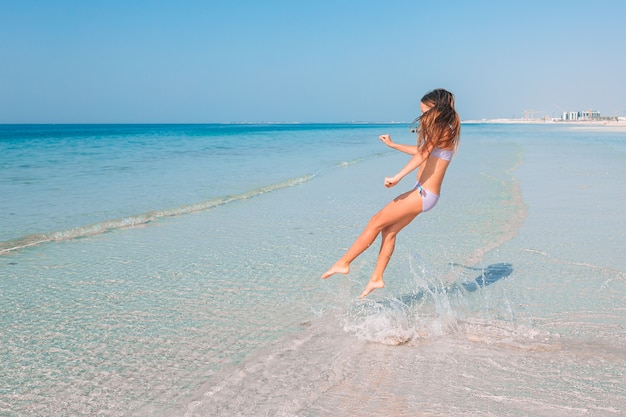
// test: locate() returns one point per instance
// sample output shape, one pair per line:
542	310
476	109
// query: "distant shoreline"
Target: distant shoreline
620	123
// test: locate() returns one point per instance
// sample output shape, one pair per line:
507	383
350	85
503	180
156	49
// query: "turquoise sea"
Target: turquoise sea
174	270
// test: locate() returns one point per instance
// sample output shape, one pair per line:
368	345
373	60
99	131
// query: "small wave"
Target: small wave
344	164
140	219
508	335
517	213
394	323
396	327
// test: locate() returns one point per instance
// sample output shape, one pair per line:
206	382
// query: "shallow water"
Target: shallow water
507	299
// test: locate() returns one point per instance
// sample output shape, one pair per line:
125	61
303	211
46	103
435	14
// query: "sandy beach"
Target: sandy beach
583	124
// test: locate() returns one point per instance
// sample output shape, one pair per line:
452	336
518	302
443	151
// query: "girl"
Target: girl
437	140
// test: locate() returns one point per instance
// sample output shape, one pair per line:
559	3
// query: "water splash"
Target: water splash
433	308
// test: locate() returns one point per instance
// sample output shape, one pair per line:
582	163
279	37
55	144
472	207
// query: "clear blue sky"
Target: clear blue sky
303	60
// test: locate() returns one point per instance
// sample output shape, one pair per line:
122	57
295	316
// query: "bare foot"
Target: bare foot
371	286
336	269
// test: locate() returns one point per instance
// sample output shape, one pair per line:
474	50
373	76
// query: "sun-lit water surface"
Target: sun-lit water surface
507	299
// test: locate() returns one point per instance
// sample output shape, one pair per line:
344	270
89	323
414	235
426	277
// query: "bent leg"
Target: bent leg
400	211
386	250
365	239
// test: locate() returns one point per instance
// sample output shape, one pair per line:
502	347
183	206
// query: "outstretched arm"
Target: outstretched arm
409	149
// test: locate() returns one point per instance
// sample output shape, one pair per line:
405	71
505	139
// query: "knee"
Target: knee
389	234
374	223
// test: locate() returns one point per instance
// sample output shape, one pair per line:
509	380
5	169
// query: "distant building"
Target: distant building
581	115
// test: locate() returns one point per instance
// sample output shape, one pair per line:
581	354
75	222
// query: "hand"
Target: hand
386	139
391	181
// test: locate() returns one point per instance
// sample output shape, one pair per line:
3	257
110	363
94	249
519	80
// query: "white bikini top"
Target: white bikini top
442	154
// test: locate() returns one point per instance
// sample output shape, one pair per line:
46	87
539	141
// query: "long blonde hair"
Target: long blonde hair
440	125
